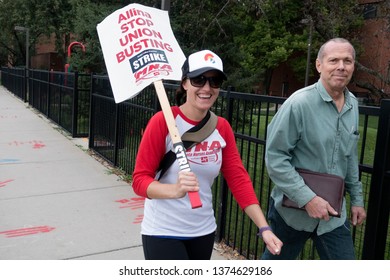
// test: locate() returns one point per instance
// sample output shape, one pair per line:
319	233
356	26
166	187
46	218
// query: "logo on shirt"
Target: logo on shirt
204	153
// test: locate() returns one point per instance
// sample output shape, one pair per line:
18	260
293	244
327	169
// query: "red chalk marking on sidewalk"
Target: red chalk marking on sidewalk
4	183
36	144
15	143
138	219
26	231
133	203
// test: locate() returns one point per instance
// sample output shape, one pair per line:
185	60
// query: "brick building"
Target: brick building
46	57
375	38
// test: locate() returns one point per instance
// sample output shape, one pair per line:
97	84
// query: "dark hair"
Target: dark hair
181	93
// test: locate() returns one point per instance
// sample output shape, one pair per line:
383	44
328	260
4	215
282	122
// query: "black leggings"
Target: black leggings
198	248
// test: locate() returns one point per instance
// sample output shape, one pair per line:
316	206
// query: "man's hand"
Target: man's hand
319	208
358	215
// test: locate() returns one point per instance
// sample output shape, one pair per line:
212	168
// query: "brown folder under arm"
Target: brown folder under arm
327	186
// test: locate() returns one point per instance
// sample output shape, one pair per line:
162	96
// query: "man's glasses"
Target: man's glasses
200	81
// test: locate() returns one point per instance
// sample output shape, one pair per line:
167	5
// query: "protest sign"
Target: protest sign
139	48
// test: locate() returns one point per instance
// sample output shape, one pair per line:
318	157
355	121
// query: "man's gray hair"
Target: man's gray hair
335	40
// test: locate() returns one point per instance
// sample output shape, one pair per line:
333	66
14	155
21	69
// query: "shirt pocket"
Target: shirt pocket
352	143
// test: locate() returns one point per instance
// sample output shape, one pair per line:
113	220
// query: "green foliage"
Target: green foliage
86	16
9	16
253	37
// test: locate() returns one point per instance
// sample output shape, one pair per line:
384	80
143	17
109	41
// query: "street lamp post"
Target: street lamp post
165	5
308	52
309	22
27	30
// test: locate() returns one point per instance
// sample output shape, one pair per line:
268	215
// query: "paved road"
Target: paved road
56	201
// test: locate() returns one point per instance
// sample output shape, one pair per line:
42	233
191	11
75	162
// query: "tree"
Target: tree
374	75
10	43
86	15
280	32
41	17
253	37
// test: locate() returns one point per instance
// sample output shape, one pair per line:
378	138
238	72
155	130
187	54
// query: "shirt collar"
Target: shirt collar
327	98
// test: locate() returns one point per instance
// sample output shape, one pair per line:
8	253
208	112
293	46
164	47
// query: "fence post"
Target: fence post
91	132
28	94
24	96
31	89
49	77
116	135
378	215
221	219
75	105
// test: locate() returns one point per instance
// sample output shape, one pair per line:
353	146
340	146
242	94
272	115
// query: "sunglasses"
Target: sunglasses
200	81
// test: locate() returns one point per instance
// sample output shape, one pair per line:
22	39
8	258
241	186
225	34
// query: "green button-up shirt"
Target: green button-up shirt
308	132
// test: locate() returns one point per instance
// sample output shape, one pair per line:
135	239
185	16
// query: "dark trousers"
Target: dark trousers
334	245
198	248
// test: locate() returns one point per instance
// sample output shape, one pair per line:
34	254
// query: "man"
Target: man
316	129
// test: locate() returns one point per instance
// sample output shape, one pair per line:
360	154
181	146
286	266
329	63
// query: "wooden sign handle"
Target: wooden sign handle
176	139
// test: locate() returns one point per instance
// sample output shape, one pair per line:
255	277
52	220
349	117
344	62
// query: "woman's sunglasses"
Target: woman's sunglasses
200	81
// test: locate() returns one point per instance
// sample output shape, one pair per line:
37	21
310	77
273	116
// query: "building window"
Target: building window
369	11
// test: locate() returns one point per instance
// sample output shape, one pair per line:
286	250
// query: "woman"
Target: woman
171	229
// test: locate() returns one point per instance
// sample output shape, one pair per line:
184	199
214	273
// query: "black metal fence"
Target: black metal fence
61	97
115	131
14	79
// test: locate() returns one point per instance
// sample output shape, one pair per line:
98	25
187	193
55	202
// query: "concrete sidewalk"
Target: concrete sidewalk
57	201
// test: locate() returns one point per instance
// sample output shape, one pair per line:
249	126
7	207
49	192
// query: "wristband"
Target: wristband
262	229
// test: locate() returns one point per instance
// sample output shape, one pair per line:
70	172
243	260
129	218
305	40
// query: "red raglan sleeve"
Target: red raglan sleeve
233	170
150	153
